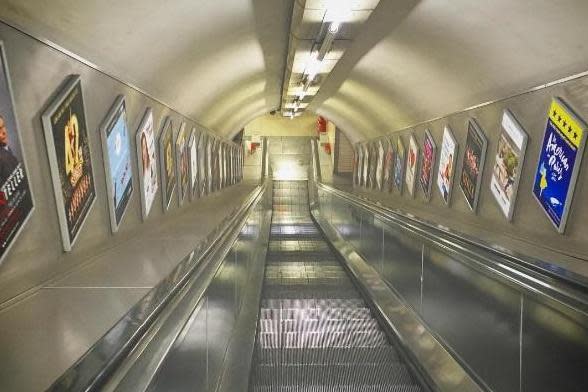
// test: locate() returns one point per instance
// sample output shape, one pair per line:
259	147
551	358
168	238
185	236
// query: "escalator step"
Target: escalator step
334	355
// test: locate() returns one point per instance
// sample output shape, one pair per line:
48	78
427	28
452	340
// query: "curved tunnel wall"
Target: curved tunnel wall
530	231
37	71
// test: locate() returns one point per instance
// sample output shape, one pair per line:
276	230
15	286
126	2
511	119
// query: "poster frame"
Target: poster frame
380	165
484	148
23	154
193	143
167	194
412	143
67	87
575	171
428	192
400	157
117	109
144	211
182	193
447	131
507	114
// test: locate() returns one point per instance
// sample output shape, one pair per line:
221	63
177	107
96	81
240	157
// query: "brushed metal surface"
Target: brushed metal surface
512	328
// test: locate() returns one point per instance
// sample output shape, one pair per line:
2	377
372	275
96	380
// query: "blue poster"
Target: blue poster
558	163
119	158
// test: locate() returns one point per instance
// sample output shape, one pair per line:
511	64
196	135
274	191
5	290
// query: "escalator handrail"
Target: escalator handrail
569	289
95	366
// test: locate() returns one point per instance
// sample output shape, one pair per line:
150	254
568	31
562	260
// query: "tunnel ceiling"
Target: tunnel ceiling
222	62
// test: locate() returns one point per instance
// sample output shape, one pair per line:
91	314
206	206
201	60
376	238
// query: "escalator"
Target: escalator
315	332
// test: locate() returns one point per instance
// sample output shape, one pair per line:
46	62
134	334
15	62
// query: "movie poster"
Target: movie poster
202	165
427	164
68	148
183	163
193	154
116	148
380	167
388	166
473	164
508	163
166	157
411	165
559	162
447	161
399	165
16	201
147	162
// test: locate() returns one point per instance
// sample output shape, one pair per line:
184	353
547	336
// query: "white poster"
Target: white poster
411	165
447	165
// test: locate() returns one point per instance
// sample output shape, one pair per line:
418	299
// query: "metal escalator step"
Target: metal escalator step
334	355
393	373
322	339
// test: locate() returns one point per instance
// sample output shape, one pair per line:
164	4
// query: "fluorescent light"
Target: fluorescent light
301	94
313	66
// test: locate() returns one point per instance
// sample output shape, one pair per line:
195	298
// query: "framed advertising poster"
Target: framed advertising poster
116	149
147	162
447	162
182	163
473	164
70	161
355	164
166	162
360	159
508	163
373	164
388	166
428	164
559	162
209	160
366	161
193	152
202	164
380	166
399	165
412	160
16	199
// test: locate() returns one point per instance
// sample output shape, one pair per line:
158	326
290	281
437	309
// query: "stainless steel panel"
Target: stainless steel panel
554	347
186	367
477	316
402	265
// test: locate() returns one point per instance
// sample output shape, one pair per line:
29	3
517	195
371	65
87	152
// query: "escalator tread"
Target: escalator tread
315	332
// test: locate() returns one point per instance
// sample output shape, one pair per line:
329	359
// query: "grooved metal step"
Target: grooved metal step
315	332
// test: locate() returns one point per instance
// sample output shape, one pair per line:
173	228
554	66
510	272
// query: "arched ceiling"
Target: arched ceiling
222	62
419	60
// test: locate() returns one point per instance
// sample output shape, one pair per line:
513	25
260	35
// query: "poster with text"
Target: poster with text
116	149
380	167
447	159
399	165
193	151
68	149
373	165
359	165
411	165
388	166
167	163
559	162
16	200
508	163
182	163
427	164
147	162
209	169
473	164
